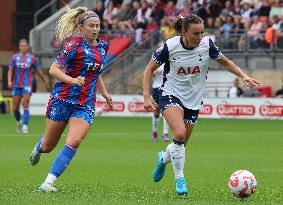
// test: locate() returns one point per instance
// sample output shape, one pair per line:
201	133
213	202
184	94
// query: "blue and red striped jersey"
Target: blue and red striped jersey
23	66
80	59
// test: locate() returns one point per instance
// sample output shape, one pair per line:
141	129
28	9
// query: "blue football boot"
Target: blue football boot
181	187
159	170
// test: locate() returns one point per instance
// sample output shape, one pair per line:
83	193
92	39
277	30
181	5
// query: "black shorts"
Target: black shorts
190	116
155	95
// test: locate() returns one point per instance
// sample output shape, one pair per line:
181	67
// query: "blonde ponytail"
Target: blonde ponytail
68	23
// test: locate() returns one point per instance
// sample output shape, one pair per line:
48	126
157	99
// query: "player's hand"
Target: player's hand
108	98
79	80
250	81
149	104
10	84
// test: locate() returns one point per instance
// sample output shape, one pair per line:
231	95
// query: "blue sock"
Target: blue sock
26	116
37	146
17	115
62	160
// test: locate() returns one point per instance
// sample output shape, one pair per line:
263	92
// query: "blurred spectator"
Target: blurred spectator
226	29
276	9
99	10
209	23
170	11
122	20
215	9
251	92
242	40
279	93
109	14
246	10
166	28
236	9
157	12
255	32
263	11
227	10
272	33
235	90
237	31
186	9
143	15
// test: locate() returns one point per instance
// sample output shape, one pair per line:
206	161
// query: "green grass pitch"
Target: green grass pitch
115	162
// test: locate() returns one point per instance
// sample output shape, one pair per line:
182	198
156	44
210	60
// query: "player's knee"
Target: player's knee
180	134
25	104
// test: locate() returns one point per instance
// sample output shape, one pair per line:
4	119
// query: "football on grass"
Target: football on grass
242	183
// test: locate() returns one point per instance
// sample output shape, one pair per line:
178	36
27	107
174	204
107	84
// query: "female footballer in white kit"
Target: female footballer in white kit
186	59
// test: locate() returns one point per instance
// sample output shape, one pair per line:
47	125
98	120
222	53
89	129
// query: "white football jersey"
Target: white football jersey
158	77
185	70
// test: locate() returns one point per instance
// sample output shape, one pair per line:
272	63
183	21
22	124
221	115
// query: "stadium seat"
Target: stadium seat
117	45
265	91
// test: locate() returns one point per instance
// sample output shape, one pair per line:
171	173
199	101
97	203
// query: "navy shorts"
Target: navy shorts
21	91
61	111
190	116
155	95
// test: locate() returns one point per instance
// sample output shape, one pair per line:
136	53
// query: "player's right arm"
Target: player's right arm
62	60
160	56
10	74
10	83
149	103
56	71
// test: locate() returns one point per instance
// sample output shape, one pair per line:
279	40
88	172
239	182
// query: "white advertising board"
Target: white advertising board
132	105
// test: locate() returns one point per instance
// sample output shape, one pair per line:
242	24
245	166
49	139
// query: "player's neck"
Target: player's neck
91	42
187	44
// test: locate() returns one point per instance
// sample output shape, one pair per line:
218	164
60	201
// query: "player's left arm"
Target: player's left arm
216	54
104	93
43	78
233	68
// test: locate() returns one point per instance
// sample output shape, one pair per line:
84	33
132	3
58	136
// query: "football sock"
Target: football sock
26	116
62	160
37	146
177	152
155	122
165	126
50	179
17	115
167	156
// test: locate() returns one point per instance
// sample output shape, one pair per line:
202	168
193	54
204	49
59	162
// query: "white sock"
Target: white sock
165	126
50	179
177	153
155	122
167	156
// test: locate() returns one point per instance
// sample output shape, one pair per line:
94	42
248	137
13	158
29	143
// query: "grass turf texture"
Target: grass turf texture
115	162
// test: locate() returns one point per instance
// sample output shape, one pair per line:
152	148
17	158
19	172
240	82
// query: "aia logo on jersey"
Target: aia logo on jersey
188	70
93	66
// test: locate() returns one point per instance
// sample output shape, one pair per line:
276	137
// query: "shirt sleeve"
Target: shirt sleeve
67	54
161	55
214	52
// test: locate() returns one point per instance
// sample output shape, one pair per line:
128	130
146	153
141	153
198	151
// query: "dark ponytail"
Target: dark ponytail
183	23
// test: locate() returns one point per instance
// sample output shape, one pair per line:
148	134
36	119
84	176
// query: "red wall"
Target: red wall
7	9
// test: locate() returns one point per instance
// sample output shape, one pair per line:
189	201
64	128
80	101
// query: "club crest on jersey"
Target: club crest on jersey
188	70
93	66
